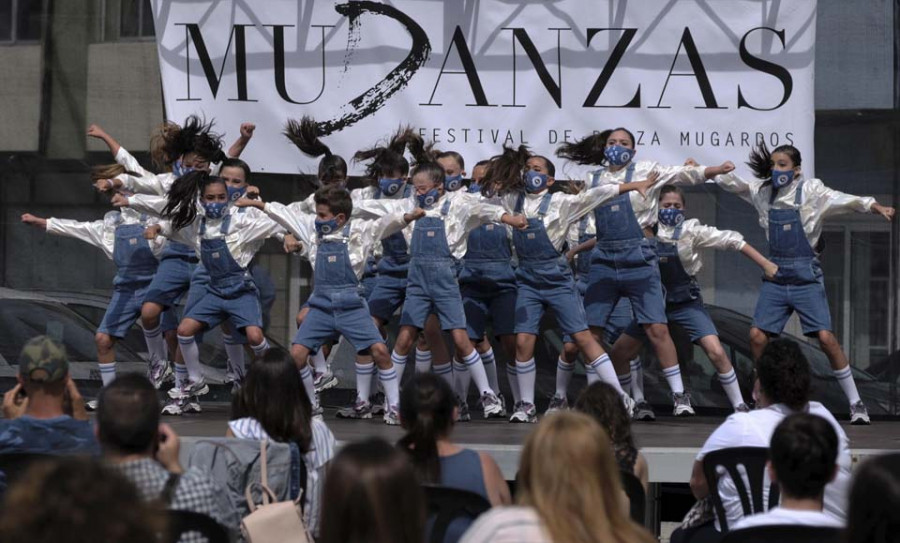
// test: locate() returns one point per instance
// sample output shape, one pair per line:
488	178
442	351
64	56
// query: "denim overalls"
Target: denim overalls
389	288
487	282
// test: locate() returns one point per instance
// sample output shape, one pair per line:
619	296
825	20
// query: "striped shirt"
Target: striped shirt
321	451
508	525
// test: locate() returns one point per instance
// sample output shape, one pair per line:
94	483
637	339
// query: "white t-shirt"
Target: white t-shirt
782	516
513	524
321	451
755	429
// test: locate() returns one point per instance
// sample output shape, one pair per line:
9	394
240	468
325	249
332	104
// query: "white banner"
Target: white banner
690	78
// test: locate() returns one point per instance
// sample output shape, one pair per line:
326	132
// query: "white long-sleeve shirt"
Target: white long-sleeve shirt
646	209
102	233
364	233
818	202
246	234
147	182
564	209
696	236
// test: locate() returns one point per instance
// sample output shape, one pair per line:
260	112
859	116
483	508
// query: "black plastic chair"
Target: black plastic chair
447	504
635	491
754	461
182	522
14	465
784	534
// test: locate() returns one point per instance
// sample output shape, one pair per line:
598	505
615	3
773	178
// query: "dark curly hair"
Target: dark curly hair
504	172
604	404
386	160
784	373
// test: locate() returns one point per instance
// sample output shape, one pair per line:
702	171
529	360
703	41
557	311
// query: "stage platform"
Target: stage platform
669	444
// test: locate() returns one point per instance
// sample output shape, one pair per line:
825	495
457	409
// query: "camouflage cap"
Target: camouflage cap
43	359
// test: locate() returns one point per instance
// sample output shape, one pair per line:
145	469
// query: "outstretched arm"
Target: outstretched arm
241	143
34	220
580	248
95	131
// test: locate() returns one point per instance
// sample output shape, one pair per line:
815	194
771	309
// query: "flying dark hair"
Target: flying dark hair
170	142
426	412
504	171
181	202
874	501
305	135
604	404
803	452
337	199
760	162
236	163
108	171
273	394
589	150
454	155
386	160
128	415
784	373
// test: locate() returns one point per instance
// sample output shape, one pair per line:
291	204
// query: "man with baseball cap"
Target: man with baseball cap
45	413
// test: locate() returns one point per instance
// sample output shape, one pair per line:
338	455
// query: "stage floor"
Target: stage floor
669	444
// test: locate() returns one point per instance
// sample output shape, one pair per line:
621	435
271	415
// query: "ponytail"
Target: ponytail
181	201
760	162
305	135
504	172
426	412
587	150
170	142
108	171
387	159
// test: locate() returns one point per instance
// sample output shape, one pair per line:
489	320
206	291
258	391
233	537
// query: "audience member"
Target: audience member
45	413
803	459
272	404
569	490
372	495
77	500
601	401
873	514
146	452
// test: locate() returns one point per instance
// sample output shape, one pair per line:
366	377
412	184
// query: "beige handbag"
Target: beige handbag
273	521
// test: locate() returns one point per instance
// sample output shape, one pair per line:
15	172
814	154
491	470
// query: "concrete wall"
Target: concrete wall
20	91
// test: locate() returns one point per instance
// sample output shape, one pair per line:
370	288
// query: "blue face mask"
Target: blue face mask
234	193
618	155
453	182
214	210
535	181
323	228
390	187
474	187
671	216
782	178
178	169
429	198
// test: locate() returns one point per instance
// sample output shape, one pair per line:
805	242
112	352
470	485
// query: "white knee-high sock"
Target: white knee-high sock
462	378
399	365
259	350
637	380
318	361
673	377
564	371
445	371
512	376
390	380
729	382
606	372
526	372
306	377
235	353
476	368
107	372
364	374
490	368
423	361
156	344
625	381
181	375
191	354
590	374
848	385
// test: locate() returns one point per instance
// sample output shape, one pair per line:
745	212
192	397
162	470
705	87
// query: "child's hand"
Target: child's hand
247	130
119	200
884	211
95	131
34	220
726	167
291	244
244	201
570	255
414	215
770	269
252	192
517	221
151	232
104	185
645	185
690	162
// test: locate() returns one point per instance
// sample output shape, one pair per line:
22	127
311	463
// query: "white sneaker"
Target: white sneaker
491	404
190	388
524	412
90	405
683	405
557	403
859	415
172	408
324	381
160	373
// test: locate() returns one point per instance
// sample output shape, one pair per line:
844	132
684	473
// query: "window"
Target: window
136	19
21	20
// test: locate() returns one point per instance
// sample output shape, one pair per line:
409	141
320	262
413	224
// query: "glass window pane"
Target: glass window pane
5	20
130	18
29	20
147	19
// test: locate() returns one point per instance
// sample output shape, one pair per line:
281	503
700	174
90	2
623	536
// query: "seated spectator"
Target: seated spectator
272	404
44	412
875	501
146	452
601	401
427	411
77	500
803	459
569	490
372	494
782	388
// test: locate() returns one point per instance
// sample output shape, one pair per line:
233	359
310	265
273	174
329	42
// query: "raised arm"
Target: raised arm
713	238
88	232
301	226
241	143
735	184
834	202
95	131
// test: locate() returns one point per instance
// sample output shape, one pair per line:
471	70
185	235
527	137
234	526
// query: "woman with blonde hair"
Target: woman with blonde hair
575	498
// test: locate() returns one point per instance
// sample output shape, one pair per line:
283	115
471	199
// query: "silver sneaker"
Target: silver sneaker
392	416
628	403
491	404
503	413
557	404
859	415
160	373
462	410
683	405
524	412
190	388
90	405
643	411
172	408
360	410
378	402
324	381
190	405
742	408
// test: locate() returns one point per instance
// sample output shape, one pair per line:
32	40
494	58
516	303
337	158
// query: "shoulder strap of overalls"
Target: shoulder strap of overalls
595	177
345	233
445	208
407	190
676	235
629	172
798	194
226	224
144	218
545	204
582	226
520	203
202	226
